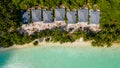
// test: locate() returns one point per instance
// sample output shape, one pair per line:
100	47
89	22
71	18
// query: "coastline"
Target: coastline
80	43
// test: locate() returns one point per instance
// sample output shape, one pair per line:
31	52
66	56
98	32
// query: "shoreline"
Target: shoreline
81	43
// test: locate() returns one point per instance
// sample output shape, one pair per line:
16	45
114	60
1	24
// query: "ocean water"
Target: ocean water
61	57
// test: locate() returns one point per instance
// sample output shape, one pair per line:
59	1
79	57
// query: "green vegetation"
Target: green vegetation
10	20
35	43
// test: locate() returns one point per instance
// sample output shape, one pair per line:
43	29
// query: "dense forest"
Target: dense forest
10	20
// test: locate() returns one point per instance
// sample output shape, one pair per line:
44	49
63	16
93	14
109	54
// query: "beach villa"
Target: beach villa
83	16
36	15
94	18
60	14
60	17
71	19
48	16
25	17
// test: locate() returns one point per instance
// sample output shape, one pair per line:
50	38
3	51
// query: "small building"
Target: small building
83	18
60	14
83	15
94	17
71	20
25	17
71	17
94	20
48	16
36	15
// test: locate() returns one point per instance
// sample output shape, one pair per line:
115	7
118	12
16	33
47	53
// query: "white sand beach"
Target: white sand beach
79	42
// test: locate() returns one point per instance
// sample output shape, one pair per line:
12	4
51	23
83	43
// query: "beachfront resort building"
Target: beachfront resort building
94	19
71	19
48	16
46	19
25	17
36	15
60	17
83	16
60	14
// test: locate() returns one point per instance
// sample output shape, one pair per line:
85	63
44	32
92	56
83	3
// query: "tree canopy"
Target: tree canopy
10	20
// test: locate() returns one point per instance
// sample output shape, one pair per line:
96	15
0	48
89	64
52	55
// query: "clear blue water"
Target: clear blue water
61	57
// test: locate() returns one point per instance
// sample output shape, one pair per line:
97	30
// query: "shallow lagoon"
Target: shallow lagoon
61	57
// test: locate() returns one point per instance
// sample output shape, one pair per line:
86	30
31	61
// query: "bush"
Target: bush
35	43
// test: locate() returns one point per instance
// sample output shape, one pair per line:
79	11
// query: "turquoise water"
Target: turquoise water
61	57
